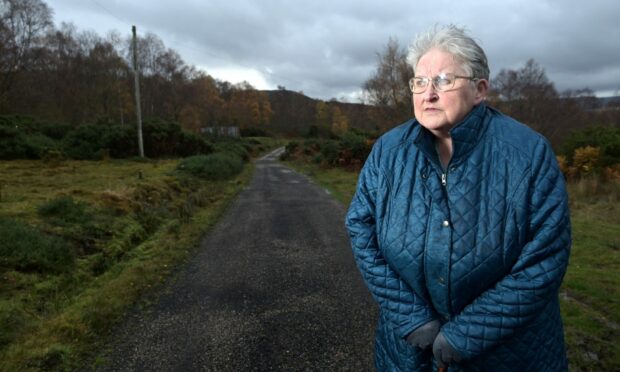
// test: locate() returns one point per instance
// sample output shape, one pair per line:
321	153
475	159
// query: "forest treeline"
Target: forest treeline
65	77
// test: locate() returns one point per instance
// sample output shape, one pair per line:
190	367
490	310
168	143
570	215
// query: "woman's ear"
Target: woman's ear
482	89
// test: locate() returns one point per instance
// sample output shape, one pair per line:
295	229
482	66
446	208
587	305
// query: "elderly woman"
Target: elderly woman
460	226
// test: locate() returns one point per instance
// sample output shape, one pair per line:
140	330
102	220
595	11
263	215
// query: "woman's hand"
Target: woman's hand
443	352
424	336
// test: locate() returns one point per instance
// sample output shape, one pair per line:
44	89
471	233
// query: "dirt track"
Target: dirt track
273	287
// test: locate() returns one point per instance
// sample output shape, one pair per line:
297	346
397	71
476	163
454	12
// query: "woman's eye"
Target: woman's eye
443	81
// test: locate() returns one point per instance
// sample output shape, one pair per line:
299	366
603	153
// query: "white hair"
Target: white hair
454	40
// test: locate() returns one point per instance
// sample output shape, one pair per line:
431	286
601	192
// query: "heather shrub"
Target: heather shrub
217	166
25	248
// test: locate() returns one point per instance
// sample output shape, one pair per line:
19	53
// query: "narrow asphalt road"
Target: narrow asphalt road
273	287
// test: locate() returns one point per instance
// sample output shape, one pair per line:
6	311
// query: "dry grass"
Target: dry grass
25	184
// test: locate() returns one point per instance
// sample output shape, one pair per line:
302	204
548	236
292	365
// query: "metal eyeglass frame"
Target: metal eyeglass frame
434	81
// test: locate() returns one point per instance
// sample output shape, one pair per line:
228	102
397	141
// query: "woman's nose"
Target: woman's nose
430	94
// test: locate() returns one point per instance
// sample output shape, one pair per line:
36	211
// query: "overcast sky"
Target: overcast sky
328	48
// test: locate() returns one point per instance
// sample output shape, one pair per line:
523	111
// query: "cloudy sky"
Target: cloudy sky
328	48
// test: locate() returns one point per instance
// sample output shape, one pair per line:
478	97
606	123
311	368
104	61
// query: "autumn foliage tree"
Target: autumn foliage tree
248	107
75	77
340	123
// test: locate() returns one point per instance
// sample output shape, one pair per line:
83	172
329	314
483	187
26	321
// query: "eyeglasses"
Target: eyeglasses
442	82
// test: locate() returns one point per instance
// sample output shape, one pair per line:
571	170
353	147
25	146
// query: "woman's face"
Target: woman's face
440	111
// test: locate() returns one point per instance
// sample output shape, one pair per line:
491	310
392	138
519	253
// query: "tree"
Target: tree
170	75
528	95
107	91
203	105
340	123
322	114
525	83
23	25
248	107
389	86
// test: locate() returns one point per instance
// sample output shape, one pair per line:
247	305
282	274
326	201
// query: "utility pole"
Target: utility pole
137	89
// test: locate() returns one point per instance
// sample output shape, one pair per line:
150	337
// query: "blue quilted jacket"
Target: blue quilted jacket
481	246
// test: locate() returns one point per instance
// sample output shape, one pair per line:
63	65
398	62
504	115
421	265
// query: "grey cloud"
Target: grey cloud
327	47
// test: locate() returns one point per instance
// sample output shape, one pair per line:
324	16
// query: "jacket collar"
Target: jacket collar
465	135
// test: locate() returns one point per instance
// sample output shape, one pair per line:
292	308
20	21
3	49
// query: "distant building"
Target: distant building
221	131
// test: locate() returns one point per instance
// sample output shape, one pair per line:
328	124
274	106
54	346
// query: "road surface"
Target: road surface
273	287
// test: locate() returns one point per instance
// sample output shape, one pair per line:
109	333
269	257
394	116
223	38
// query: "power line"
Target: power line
110	13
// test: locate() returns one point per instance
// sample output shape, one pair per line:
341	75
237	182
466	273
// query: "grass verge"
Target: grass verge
339	182
136	221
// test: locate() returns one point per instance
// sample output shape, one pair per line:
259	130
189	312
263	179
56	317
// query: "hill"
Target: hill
294	113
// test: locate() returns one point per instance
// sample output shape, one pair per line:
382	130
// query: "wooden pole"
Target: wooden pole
137	90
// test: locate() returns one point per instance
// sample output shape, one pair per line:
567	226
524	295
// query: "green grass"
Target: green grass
591	288
25	248
340	183
127	223
218	166
590	293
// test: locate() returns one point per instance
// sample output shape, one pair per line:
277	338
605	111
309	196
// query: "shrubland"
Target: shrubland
82	241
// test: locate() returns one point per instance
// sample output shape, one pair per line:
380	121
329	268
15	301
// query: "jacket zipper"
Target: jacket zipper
444	180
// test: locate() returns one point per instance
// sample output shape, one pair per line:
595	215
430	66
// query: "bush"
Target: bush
122	141
167	139
349	152
150	217
356	146
192	144
55	131
29	125
289	150
291	147
25	138
160	138
85	227
233	147
19	139
254	132
607	139
13	144
586	159
329	150
217	166
40	144
86	142
25	248
320	131
64	210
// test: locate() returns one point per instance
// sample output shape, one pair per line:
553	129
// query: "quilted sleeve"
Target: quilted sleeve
535	278
405	310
